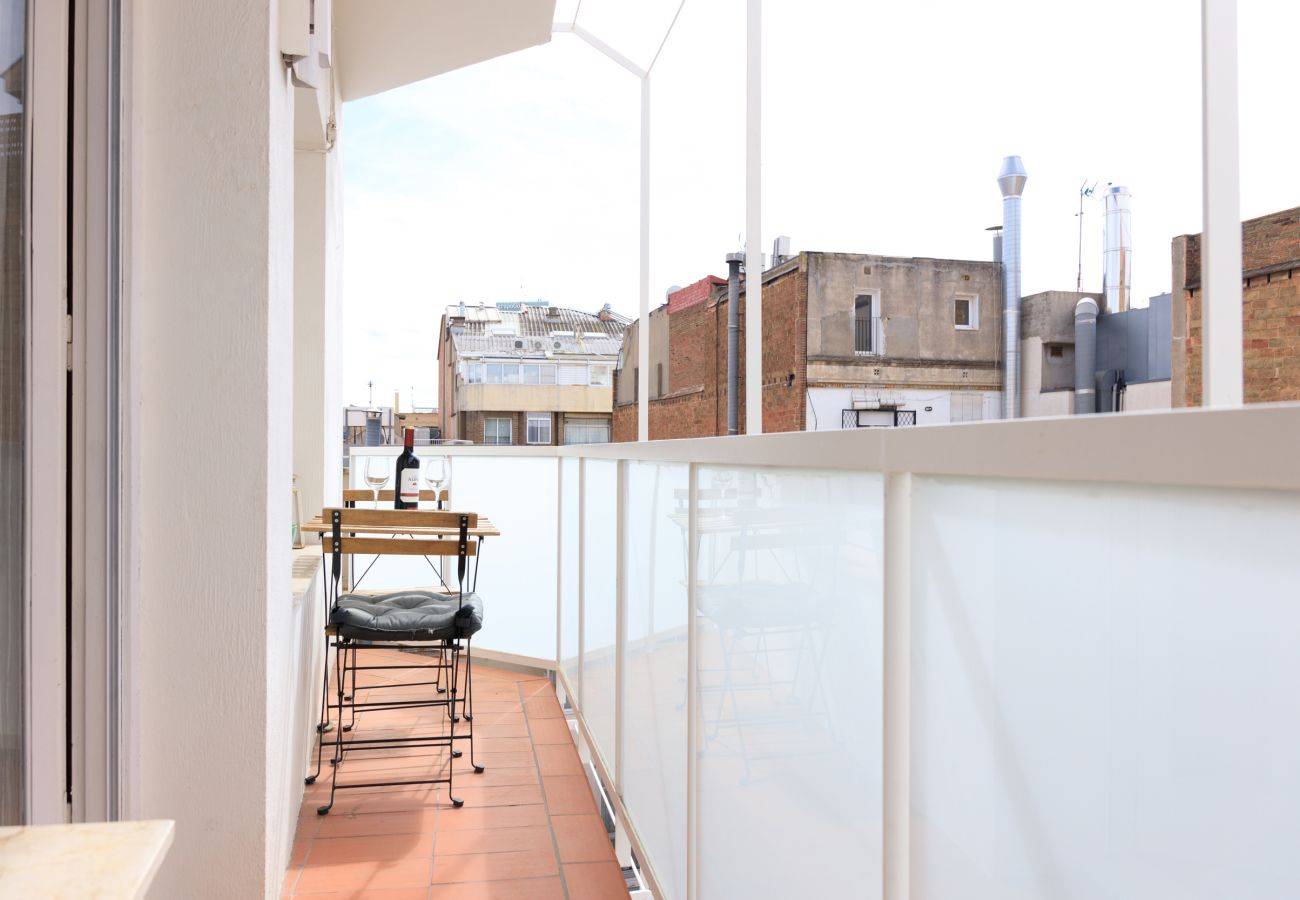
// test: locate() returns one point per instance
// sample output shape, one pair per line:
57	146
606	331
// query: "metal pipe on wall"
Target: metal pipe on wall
733	339
1117	255
1011	181
1085	356
753	218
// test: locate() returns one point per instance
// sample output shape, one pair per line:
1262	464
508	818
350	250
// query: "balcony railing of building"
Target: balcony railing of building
1042	658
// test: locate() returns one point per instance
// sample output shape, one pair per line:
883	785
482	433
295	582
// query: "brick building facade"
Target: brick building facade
693	402
1270	311
872	339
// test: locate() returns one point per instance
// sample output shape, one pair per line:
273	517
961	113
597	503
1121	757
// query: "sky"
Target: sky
883	129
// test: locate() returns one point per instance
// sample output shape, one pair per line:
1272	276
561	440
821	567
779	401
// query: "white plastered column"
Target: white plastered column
210	300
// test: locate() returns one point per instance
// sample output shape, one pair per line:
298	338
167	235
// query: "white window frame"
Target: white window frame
540	420
974	300
606	376
510	431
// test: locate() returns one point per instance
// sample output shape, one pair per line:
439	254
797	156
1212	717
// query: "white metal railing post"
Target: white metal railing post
692	686
897	630
643	326
559	561
754	218
620	619
582	575
1221	329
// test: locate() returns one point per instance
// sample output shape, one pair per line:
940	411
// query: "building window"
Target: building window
586	431
877	418
601	376
539	428
572	374
659	379
636	384
966	312
866	325
475	375
498	431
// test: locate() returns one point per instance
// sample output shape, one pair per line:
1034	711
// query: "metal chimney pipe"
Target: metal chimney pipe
1117	259
1085	356
733	338
1011	181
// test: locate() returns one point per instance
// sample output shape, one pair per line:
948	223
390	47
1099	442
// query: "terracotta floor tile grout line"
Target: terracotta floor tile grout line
555	844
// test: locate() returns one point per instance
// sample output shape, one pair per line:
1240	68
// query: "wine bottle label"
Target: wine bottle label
410	485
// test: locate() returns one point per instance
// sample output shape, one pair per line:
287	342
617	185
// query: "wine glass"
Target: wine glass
435	473
376	474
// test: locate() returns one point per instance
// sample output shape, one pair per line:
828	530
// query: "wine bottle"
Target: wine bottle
408	475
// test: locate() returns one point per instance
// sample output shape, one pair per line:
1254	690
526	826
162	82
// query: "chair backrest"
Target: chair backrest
338	540
354	495
387	496
400	518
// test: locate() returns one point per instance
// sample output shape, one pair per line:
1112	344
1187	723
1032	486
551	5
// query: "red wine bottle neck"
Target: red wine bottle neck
409	438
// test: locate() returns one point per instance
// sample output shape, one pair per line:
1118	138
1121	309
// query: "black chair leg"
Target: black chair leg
451	741
324	723
469	701
339	664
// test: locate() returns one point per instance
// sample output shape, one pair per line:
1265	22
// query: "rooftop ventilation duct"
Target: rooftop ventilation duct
1117	259
1011	181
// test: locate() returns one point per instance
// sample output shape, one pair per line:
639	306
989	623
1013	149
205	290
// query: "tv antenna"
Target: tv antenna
1084	192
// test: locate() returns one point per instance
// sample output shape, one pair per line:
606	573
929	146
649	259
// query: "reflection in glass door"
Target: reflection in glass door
13	29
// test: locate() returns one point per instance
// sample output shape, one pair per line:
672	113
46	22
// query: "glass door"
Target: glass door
13	156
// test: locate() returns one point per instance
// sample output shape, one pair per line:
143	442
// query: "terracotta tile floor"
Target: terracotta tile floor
529	829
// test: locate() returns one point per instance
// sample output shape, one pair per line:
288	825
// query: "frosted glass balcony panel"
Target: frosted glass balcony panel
570	661
599	603
517	570
789	599
1104	697
655	747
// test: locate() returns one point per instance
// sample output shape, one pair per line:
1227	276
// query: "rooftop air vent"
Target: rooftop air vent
537	345
556	345
519	345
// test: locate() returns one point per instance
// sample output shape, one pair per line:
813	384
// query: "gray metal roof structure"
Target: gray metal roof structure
533	329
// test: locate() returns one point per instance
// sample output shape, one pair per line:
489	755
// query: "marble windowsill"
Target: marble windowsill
103	860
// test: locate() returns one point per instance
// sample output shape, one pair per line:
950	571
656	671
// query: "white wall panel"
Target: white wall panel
570	661
1104	700
599	612
789	601
655	747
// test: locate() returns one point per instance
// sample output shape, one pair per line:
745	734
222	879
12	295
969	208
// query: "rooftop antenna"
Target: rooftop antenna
1084	191
371	385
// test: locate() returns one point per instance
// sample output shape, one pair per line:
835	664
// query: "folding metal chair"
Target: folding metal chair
405	620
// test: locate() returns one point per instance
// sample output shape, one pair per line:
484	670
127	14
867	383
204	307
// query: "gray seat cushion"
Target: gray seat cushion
407	616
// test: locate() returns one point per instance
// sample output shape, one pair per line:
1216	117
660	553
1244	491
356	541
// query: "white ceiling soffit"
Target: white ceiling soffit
383	44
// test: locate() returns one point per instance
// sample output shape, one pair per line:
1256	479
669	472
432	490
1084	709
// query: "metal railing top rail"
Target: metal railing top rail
1245	447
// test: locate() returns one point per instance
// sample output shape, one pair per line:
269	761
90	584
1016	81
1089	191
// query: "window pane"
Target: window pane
963	312
12	332
475	373
539	428
494	373
531	374
548	375
509	374
582	431
600	376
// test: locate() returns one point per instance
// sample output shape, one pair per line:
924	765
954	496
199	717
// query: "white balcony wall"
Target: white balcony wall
516	573
790	668
655	706
1103	698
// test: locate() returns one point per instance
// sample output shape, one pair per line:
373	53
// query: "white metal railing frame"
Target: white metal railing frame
1233	448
